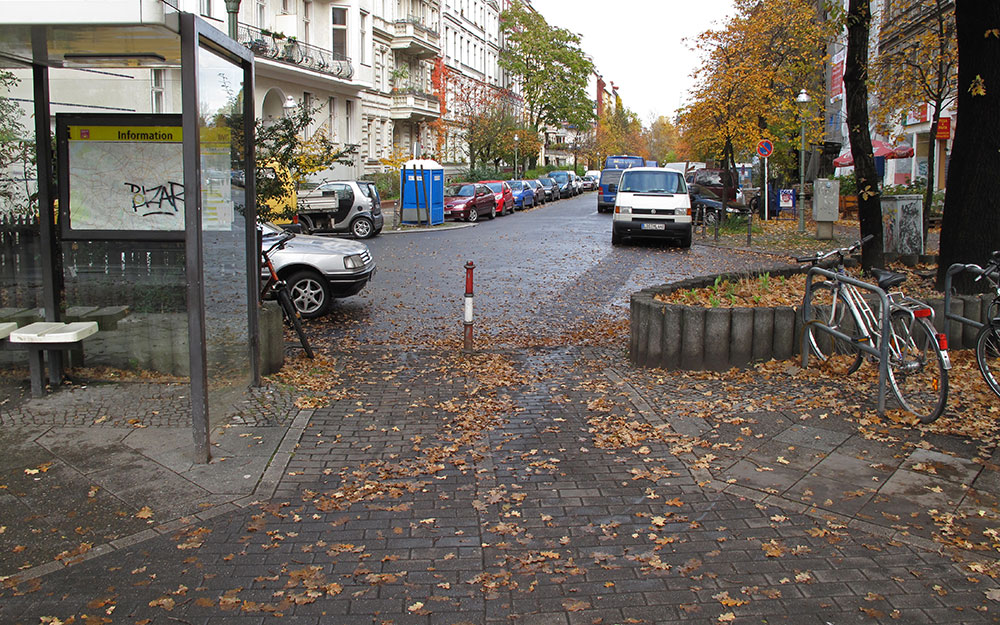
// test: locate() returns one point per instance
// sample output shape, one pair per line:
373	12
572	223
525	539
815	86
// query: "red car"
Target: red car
504	196
469	201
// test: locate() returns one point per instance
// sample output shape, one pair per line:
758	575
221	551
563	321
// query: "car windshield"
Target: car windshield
560	176
710	177
651	182
706	193
611	176
532	183
494	187
546	182
460	190
515	185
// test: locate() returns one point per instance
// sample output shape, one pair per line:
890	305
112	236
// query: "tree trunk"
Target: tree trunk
856	90
971	226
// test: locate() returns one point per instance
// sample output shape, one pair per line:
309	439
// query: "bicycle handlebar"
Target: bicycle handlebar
282	238
844	251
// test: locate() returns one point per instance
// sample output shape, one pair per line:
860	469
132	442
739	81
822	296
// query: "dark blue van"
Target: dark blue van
607	190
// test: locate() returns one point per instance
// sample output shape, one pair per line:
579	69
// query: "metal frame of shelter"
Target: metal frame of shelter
193	33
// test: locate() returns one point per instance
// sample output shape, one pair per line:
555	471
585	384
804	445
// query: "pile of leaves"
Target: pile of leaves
767	291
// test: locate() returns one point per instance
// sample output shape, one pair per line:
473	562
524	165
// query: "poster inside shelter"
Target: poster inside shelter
126	178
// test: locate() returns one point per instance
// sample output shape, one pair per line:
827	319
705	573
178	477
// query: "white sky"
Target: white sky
639	44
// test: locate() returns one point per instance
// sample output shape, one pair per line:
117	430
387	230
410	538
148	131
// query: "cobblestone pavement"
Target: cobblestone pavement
543	486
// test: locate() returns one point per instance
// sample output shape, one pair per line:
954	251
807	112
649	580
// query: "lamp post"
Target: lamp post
515	155
233	8
802	100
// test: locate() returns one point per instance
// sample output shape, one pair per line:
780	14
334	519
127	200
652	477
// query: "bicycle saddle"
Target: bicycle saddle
887	279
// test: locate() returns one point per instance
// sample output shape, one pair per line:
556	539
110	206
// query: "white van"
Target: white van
652	202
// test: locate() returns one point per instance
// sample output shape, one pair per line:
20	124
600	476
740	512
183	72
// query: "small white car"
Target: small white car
652	202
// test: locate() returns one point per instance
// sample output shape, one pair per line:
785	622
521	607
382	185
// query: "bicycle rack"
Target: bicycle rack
882	352
956	269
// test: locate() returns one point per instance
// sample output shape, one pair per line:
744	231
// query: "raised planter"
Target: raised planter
696	338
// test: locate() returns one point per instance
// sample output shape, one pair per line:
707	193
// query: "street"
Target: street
542	480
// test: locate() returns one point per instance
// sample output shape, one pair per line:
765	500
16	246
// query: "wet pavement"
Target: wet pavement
543	480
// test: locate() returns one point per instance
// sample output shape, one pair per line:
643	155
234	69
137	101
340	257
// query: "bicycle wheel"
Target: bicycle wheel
988	355
293	315
828	307
916	368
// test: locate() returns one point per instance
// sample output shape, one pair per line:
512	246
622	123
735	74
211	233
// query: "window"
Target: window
349	127
206	8
364	39
331	121
339	39
286	6
261	13
156	90
307	104
307	14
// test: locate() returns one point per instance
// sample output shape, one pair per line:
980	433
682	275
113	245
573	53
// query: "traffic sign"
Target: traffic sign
765	148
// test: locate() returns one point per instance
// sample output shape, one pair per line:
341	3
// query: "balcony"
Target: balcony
413	105
413	38
293	52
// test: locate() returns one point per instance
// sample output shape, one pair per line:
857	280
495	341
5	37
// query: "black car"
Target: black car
551	189
706	206
564	179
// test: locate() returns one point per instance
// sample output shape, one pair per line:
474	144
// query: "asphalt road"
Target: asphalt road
539	272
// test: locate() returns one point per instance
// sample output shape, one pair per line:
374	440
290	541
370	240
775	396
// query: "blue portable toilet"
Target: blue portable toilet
421	185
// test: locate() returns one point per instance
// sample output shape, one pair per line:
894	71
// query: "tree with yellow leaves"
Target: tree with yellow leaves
751	71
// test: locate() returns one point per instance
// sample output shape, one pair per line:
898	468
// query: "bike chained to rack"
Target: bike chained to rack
898	334
987	343
276	288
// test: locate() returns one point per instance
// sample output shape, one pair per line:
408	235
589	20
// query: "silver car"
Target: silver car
318	269
342	206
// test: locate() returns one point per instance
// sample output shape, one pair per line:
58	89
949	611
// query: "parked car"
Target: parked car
607	189
564	180
350	206
469	201
551	188
524	195
538	189
594	173
652	202
319	269
577	185
502	193
589	183
713	179
705	205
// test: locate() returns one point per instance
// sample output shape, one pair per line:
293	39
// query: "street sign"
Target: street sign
765	148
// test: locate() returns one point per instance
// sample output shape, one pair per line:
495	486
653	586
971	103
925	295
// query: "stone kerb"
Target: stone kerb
696	338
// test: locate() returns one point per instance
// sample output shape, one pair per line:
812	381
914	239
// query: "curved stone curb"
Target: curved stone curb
695	338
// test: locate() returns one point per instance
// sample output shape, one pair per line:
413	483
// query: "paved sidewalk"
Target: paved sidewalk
561	486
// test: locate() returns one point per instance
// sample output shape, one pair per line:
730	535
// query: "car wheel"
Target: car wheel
362	228
493	212
473	215
686	241
616	238
310	293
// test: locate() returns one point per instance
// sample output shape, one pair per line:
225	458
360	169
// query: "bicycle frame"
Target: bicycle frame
882	350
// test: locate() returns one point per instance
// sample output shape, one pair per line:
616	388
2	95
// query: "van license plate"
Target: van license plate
653	227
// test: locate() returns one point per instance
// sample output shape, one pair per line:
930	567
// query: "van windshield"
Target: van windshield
651	182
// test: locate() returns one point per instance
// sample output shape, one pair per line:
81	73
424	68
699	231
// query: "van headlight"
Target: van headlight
354	261
624	210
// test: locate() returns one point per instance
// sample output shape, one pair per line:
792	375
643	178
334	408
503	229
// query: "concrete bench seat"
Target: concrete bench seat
6	328
52	337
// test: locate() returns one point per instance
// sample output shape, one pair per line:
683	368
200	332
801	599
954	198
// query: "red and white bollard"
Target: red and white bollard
469	266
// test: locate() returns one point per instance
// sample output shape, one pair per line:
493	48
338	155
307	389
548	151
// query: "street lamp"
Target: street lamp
802	100
515	155
289	106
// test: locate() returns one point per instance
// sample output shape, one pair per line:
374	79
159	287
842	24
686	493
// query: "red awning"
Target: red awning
879	148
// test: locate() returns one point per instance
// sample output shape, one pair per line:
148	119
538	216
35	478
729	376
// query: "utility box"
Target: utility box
421	192
903	224
826	206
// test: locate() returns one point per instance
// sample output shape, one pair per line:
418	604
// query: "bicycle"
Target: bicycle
988	338
276	288
918	355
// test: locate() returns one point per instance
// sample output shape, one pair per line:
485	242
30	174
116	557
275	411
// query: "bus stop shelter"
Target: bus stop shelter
146	184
